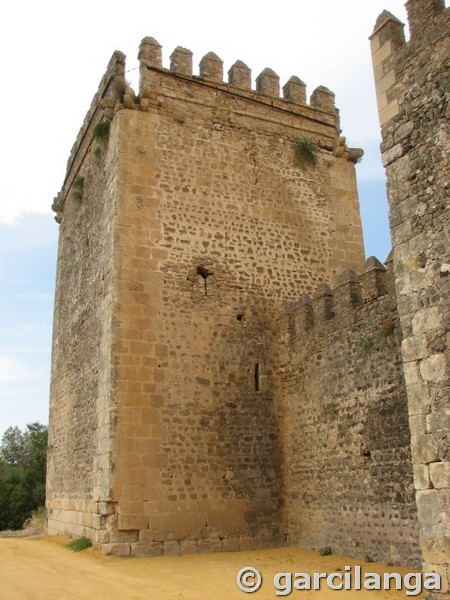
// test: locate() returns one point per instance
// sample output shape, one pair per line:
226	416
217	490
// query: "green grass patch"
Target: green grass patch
79	544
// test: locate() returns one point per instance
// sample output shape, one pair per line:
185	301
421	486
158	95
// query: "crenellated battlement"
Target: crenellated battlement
391	53
239	78
332	309
422	14
179	94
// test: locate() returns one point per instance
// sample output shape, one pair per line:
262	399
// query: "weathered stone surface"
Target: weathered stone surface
123	536
351	383
116	549
413	103
209	545
426	320
268	83
439	421
211	67
412	376
434	368
424	448
427	506
414	348
440	475
418	399
147	549
171	548
246	543
391	155
423	12
240	76
417	424
421	477
403	131
323	97
295	91
230	544
181	61
189	547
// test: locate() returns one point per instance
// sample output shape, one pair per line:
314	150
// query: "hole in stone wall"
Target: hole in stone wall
240	317
203	272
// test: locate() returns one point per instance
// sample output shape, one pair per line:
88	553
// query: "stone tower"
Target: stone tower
413	90
189	213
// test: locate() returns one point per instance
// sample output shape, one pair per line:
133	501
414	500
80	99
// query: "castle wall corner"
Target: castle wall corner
416	155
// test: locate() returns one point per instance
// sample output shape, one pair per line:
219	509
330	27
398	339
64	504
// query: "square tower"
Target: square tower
189	214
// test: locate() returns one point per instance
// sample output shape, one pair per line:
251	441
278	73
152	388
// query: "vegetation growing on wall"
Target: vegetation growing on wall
78	186
305	153
101	135
101	131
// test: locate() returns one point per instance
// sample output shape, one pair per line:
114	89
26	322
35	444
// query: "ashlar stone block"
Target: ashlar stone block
421	477
440	475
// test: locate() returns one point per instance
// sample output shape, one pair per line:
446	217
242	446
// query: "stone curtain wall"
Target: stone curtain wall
416	155
347	464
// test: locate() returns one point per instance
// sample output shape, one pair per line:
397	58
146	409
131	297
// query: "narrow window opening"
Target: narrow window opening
257	377
204	274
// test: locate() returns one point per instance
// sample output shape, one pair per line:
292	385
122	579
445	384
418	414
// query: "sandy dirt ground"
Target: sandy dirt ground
44	569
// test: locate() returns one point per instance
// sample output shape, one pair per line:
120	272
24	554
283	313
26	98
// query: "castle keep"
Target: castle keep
228	370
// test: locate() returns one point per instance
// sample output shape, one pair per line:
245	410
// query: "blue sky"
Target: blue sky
27	271
56	57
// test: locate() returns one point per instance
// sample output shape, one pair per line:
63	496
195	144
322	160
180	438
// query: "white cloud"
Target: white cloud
13	371
14	204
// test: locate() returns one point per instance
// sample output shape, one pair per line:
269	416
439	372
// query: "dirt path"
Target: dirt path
43	569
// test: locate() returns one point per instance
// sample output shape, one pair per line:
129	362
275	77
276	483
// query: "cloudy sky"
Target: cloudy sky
54	55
